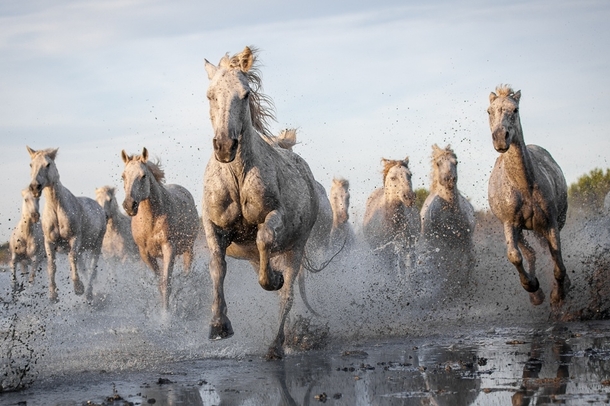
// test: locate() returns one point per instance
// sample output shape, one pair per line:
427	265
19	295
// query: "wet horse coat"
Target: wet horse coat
260	201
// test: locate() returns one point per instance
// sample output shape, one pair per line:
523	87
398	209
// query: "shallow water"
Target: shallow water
424	336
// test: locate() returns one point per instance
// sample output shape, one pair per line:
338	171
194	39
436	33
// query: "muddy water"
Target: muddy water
423	336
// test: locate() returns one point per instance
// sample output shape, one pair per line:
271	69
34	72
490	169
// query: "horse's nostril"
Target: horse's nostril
234	145
215	144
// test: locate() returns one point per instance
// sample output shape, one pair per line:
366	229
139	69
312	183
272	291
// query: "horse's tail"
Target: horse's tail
307	264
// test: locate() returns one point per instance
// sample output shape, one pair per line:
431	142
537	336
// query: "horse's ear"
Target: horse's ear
246	59
210	69
31	151
492	97
517	96
124	156
435	147
144	154
53	153
406	161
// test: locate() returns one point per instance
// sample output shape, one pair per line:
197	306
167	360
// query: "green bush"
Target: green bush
589	191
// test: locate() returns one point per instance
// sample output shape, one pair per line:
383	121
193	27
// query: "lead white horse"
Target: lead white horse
69	223
118	241
27	242
260	200
527	191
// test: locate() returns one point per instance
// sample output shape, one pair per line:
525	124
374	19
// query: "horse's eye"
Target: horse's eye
30	164
144	176
47	165
516	111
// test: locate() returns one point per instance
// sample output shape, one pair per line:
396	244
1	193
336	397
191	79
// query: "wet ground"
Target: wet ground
429	335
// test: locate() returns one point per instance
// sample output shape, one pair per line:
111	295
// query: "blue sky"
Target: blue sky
360	81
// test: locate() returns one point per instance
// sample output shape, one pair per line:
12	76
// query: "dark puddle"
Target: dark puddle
563	363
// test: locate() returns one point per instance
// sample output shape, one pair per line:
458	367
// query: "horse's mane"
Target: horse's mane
439	153
261	105
390	163
504	90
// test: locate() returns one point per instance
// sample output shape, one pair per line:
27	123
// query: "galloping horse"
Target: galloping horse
391	219
27	242
260	201
118	241
527	191
165	222
76	224
447	218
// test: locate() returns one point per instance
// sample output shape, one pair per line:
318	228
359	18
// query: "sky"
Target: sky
360	82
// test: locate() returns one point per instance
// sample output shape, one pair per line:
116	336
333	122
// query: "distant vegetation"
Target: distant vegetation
589	191
420	197
5	255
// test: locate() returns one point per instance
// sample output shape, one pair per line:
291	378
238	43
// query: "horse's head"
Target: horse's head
30	206
43	170
504	117
229	106
339	199
136	180
105	198
444	166
397	181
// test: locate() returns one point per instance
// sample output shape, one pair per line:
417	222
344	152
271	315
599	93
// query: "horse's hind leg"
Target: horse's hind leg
268	278
513	235
187	260
562	281
73	257
95	256
537	297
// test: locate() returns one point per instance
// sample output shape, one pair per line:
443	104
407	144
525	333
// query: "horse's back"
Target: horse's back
185	212
550	177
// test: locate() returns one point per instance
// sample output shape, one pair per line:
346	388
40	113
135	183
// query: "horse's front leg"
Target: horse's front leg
220	326
165	280
266	237
293	262
512	234
537	297
562	281
51	269
95	256
73	257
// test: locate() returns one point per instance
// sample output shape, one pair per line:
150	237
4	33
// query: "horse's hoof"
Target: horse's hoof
53	298
558	295
276	281
79	288
537	297
532	286
274	353
221	331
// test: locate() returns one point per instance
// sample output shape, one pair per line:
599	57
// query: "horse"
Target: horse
447	223
70	223
27	242
342	233
260	200
164	220
391	220
447	218
526	191
118	241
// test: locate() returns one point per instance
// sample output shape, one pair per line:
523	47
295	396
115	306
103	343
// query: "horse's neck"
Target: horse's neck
56	195
158	198
445	193
518	164
339	218
252	148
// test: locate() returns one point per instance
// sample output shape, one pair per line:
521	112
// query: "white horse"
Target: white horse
527	191
164	218
447	218
27	242
118	241
391	219
260	200
75	224
342	233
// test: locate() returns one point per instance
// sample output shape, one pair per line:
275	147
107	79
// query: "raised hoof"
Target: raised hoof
537	297
79	288
221	331
532	286
558	294
274	354
276	281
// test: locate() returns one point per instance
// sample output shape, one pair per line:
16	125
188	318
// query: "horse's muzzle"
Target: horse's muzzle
36	189
500	139
225	149
131	207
